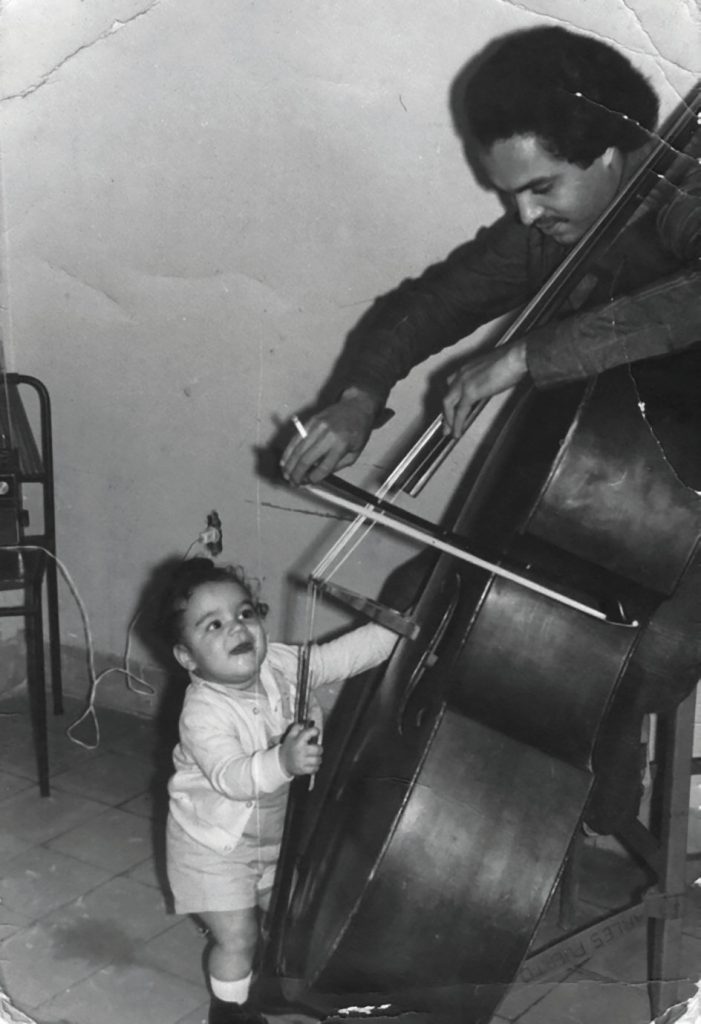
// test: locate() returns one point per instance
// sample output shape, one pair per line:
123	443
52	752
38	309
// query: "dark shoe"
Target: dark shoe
233	1013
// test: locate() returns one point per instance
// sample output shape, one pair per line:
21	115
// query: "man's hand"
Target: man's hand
335	438
481	377
300	752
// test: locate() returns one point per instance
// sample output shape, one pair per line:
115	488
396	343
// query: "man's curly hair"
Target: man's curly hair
576	94
186	578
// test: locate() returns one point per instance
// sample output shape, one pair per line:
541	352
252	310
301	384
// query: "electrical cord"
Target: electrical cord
205	540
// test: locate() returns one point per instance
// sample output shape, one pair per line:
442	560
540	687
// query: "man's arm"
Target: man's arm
661	316
654	321
485	375
478	282
333	438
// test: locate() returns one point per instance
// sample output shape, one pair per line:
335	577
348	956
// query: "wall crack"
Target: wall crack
116	26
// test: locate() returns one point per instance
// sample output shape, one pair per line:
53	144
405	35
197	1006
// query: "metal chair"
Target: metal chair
27	558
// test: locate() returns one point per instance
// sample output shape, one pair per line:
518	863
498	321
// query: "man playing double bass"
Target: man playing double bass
559	124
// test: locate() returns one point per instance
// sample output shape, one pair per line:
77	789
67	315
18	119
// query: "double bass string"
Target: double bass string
427	538
298	789
377	516
606	226
386	491
302	696
552	296
672	148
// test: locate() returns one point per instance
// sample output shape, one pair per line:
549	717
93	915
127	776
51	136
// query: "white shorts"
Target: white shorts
202	879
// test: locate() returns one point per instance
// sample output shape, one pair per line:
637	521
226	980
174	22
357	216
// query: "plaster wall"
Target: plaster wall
199	201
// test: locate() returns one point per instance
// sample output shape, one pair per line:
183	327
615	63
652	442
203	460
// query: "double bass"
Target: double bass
434	840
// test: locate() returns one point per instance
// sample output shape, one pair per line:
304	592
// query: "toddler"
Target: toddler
238	750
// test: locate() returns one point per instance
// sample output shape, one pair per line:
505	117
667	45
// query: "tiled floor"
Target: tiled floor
87	935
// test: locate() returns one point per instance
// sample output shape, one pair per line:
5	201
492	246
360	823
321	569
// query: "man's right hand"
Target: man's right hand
335	438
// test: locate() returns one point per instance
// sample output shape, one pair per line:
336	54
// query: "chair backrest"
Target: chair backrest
25	459
15	427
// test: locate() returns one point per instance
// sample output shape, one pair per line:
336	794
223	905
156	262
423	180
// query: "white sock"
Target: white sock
231	991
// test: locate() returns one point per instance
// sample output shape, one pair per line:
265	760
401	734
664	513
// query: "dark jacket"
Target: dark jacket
643	299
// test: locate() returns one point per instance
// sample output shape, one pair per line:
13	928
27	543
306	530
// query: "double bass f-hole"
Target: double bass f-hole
427	660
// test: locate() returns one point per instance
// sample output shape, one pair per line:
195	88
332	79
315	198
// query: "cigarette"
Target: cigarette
300	427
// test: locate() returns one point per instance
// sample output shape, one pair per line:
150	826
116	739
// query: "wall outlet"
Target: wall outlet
213	534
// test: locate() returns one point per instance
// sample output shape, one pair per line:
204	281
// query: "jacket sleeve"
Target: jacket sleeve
478	282
214	744
350	654
655	320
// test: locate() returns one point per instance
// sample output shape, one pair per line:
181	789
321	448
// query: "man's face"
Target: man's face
560	198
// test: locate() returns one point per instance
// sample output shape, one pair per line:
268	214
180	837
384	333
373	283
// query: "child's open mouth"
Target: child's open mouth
245	647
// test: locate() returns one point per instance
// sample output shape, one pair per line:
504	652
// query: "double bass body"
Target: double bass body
435	842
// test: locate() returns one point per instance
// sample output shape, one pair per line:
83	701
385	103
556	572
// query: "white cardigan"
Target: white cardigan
229	749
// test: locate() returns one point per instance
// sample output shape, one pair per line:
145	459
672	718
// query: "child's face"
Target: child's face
223	639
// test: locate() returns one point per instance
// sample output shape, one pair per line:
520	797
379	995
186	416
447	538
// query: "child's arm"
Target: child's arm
350	654
210	735
300	751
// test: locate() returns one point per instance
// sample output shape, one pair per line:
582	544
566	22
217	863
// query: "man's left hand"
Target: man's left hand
481	377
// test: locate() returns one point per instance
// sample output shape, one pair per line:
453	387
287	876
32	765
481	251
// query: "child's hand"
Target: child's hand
300	752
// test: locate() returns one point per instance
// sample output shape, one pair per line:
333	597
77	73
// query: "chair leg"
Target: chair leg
676	733
54	635
569	884
36	684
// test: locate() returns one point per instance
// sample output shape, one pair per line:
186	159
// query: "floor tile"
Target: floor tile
145	804
112	778
524	995
11	845
627	960
15	705
198	1016
127	995
11	784
86	930
587	1000
180	951
17	755
17	750
554	926
148	873
127	734
130	908
609	880
59	724
11	921
107	926
115	840
36	819
40	880
40	961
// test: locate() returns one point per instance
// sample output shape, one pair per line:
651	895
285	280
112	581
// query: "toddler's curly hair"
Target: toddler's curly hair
186	578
